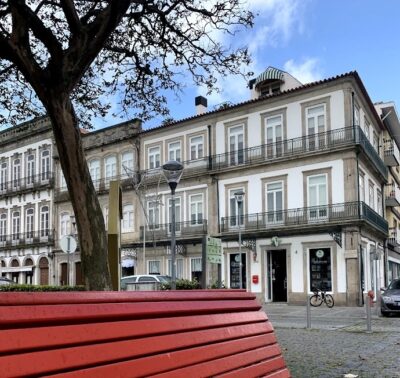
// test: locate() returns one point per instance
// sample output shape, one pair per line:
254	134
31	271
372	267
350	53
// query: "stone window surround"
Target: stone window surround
147	150
167	142
239	185
263	117
309	104
193	192
316	172
239	122
269	180
205	144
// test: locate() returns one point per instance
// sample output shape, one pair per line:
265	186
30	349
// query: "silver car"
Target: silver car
144	282
390	299
6	281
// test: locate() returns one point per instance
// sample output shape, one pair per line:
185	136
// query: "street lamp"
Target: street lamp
239	196
172	171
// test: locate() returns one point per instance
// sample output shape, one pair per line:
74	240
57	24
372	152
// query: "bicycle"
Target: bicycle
320	296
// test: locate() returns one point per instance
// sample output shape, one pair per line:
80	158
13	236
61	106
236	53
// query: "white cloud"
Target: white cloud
306	72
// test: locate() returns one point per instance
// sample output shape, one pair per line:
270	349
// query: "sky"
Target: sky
312	40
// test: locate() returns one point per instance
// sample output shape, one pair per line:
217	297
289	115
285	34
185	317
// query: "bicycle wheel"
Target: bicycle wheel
315	300
329	300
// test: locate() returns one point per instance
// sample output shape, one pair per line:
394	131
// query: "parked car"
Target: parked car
390	299
6	281
144	282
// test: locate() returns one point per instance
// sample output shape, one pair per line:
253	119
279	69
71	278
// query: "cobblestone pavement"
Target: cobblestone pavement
337	343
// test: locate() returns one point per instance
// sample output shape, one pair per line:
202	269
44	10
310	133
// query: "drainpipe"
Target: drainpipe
209	148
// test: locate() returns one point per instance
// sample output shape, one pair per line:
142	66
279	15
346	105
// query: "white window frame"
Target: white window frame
274	144
29	222
196	145
175	150
16	224
3	176
196	201
153	214
154	157
30	169
178	214
234	215
155	263
110	168
3	227
127	218
127	163
94	170
44	221
16	172
274	216
45	165
319	210
236	152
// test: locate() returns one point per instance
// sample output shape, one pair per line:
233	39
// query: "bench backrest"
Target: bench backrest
137	334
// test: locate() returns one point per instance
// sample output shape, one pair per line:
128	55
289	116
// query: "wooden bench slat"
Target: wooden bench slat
262	369
226	364
24	339
148	366
85	356
23	299
14	315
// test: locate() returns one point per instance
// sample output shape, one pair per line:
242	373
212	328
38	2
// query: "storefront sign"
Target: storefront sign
214	250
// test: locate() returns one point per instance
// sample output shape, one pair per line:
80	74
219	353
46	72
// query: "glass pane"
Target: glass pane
313	196
274	186
270	202
279	201
315	110
316	180
322	195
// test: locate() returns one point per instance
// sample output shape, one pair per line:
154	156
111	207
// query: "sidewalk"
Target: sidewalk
337	343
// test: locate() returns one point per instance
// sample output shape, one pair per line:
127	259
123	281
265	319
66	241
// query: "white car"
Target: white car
6	281
144	282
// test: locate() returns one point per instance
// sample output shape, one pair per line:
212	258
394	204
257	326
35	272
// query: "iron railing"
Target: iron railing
305	216
24	239
393	238
32	182
182	229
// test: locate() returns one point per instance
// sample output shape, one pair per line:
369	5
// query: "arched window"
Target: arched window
3	227
16	225
16	172
44	271
110	167
45	165
127	218
65	224
44	221
94	169
3	176
29	223
30	169
126	163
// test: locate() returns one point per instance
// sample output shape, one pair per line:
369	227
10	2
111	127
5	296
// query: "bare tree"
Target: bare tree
66	57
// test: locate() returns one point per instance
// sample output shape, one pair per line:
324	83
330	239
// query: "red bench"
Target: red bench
137	334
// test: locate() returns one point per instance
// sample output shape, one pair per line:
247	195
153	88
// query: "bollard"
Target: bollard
368	309
308	307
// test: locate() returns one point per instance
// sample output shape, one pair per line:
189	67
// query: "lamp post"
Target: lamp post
172	171
239	195
72	234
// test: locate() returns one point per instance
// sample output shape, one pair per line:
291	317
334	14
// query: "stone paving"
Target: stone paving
337	343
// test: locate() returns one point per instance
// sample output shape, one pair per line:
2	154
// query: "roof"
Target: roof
351	74
270	73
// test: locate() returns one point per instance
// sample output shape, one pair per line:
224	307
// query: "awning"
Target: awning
270	73
16	269
128	263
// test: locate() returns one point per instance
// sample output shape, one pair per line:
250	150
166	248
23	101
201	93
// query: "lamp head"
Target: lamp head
172	171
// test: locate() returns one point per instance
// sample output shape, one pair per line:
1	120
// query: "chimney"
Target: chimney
201	104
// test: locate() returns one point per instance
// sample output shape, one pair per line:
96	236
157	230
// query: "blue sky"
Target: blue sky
313	39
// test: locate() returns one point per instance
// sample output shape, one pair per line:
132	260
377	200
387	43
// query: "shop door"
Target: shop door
276	276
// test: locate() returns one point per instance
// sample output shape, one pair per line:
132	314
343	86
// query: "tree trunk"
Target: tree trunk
87	210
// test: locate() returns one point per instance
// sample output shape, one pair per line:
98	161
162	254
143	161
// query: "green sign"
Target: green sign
214	250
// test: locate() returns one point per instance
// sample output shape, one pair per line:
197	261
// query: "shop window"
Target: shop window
320	269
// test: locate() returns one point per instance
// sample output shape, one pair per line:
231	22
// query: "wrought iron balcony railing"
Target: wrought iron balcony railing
26	239
391	153
332	215
392	195
21	184
182	229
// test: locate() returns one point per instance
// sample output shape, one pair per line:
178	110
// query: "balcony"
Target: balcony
392	195
306	219
27	184
394	237
391	153
27	239
183	230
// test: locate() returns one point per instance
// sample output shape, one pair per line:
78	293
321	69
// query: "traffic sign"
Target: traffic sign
68	244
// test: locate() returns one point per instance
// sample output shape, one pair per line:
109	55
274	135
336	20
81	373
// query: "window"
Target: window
44	221
63	183
65	227
3	227
366	129
105	213
127	163
361	184
196	147
196	209
379	201
127	218
154	157
196	269
357	116
16	173
371	195
236	145
110	168
179	268
320	269
274	202
29	223
45	165
273	135
174	151
153	213
154	266
16	225
375	142
94	169
235	211
3	176
317	196
30	169
177	213
315	119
